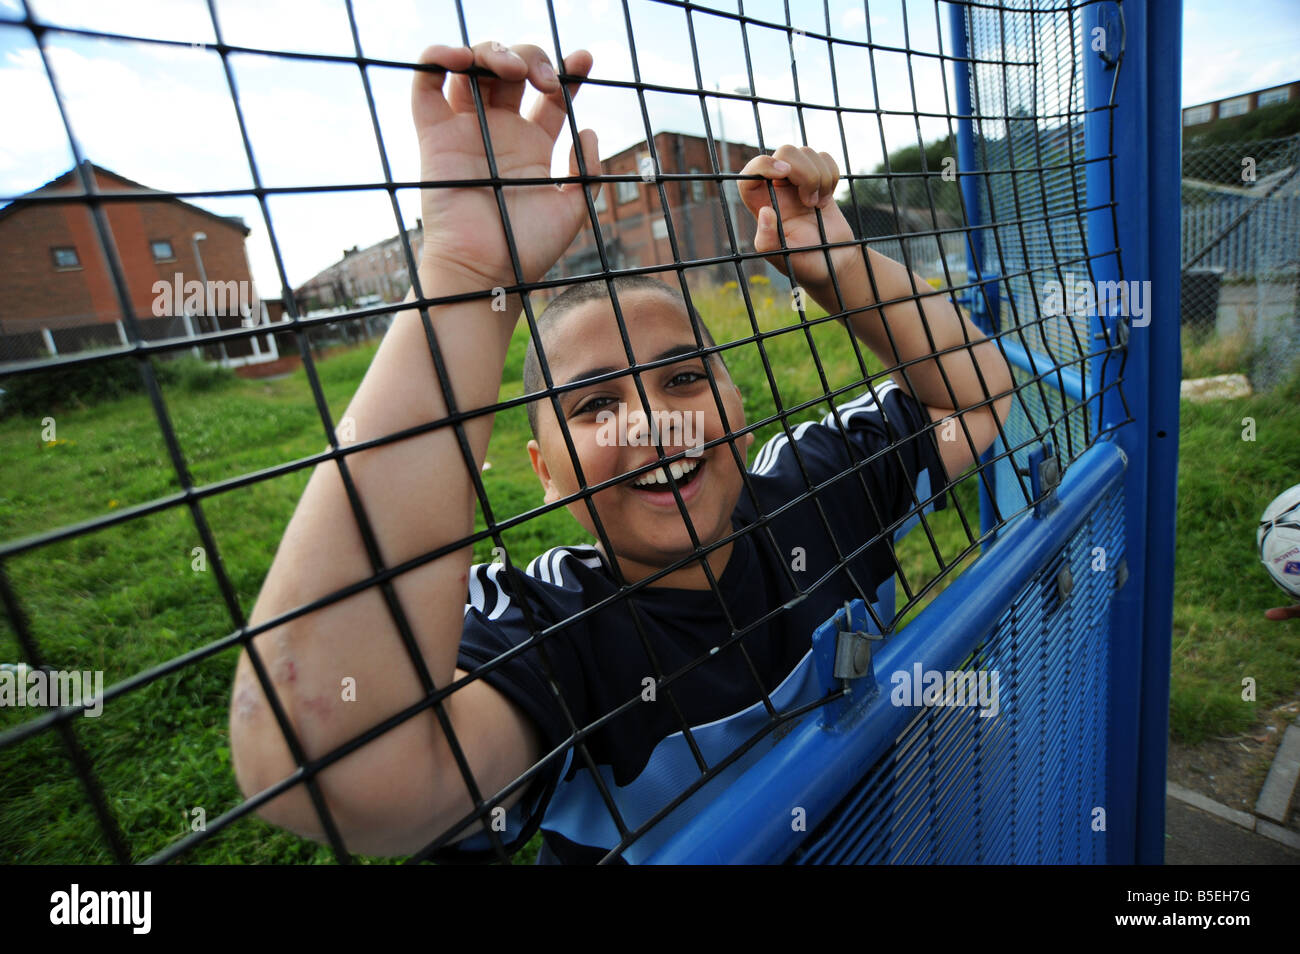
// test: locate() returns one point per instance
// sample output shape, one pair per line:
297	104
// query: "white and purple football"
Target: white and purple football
1279	540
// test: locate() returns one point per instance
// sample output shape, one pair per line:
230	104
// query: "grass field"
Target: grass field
135	595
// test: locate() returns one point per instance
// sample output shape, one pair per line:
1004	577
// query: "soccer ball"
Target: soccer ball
1279	540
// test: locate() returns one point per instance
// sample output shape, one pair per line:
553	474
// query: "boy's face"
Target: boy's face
612	434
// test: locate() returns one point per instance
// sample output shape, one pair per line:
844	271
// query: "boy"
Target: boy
404	788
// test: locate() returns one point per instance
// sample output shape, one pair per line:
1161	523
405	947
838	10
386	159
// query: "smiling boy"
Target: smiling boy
716	535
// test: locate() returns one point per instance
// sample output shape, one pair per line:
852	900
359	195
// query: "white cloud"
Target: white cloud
186	20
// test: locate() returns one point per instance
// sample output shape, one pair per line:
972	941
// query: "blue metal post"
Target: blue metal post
985	317
1145	174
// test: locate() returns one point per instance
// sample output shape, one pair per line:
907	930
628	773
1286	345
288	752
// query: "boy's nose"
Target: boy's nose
644	428
638	426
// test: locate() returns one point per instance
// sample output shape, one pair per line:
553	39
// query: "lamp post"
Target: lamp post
207	291
726	155
203	275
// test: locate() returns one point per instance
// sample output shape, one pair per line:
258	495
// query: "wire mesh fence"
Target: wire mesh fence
1241	253
396	697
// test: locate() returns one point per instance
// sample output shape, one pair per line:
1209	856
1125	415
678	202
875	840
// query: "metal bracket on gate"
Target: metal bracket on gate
843	658
852	649
1121	333
1044	478
1064	584
1109	42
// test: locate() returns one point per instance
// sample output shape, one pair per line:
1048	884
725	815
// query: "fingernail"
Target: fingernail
815	196
781	166
545	71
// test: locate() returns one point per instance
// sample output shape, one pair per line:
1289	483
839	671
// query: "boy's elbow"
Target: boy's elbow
260	756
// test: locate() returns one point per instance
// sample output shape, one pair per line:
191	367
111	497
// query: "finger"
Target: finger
830	178
509	67
805	172
549	112
428	105
1283	612
540	73
590	156
753	192
767	237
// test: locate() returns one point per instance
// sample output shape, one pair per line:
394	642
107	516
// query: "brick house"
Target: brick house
631	217
56	293
1241	104
375	273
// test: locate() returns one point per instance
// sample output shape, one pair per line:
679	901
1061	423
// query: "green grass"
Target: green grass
1220	589
128	598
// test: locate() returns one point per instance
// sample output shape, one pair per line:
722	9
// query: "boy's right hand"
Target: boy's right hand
463	232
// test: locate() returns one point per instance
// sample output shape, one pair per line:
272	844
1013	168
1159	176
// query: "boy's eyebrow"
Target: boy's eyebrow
672	352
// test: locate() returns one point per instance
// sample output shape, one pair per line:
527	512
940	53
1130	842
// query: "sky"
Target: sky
164	115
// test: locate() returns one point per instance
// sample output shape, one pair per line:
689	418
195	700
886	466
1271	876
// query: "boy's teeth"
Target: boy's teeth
659	476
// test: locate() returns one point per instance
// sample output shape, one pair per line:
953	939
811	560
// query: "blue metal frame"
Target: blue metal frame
752	823
1146	174
983	302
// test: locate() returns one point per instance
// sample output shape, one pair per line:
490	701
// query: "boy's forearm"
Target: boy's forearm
417	496
948	329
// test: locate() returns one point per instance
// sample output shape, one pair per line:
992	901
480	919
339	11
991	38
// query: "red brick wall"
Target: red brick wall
34	293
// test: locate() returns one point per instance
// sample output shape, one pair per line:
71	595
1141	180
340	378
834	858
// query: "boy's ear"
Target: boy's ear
541	470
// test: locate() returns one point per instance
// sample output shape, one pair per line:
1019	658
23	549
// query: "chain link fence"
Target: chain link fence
1241	259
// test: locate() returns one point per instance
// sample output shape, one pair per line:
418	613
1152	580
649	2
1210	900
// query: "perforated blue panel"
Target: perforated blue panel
1022	786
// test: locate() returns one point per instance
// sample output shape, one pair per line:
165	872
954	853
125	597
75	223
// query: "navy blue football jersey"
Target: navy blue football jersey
874	465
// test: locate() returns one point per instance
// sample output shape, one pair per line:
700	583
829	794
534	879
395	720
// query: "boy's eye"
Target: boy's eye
595	404
686	377
680	379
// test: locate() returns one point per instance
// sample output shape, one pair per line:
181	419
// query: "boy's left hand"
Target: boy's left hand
804	181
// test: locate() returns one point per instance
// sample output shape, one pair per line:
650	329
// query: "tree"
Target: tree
901	182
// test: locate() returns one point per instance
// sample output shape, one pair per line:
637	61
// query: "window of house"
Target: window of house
162	250
1271	96
1196	115
65	256
625	191
1234	107
697	186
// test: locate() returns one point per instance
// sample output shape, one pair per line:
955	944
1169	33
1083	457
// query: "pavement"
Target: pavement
1200	831
1196	837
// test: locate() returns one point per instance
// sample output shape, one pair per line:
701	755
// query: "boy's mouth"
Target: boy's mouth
656	488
